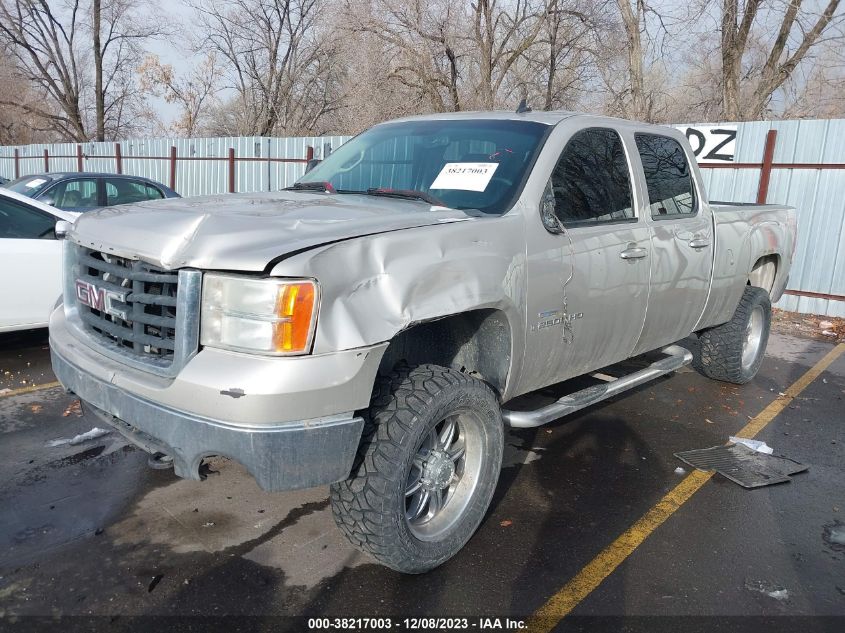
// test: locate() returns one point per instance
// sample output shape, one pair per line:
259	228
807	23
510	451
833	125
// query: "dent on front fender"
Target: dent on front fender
374	287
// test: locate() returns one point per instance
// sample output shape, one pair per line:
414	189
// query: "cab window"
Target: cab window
591	183
20	222
668	178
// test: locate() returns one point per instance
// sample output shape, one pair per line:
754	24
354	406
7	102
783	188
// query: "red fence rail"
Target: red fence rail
173	159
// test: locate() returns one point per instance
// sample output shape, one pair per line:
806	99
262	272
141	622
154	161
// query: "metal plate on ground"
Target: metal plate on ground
743	465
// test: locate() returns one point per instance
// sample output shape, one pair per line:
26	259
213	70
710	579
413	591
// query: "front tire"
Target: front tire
733	352
426	468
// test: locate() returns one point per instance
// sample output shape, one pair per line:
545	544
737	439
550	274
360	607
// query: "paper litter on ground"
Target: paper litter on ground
93	434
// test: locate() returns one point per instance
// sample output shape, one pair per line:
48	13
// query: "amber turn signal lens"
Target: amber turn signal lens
295	309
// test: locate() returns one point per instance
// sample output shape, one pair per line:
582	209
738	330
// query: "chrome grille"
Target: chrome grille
138	303
131	311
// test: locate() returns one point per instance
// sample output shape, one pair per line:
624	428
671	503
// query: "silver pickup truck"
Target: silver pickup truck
371	326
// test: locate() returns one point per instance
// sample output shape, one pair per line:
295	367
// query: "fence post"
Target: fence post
231	170
46	160
766	171
79	158
118	158
309	153
17	164
173	168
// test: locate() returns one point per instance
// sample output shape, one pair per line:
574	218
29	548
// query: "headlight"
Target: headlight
268	316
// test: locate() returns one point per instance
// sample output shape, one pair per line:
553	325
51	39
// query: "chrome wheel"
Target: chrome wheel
753	338
426	469
443	475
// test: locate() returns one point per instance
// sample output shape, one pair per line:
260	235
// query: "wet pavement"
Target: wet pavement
89	529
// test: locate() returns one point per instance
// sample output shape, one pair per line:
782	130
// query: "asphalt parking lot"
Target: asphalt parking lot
89	529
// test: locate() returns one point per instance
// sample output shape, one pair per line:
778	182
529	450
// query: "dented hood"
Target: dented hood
246	231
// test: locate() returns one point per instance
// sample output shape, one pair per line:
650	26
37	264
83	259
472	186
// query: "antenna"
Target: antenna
523	107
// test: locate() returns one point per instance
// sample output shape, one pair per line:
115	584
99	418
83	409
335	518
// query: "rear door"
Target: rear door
681	241
30	265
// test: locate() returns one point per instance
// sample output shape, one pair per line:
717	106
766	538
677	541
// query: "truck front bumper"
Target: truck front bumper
281	453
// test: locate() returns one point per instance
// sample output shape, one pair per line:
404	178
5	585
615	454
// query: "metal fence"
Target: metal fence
800	163
192	167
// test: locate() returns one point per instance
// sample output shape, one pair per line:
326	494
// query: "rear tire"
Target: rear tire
426	468
732	352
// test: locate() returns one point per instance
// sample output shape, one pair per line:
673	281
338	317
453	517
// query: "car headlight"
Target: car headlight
267	316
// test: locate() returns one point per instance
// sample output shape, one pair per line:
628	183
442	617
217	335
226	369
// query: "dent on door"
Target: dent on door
680	277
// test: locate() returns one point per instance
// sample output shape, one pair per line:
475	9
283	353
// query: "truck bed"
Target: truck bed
748	235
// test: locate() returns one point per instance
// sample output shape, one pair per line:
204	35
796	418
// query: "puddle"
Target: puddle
59	502
29	410
225	511
78	458
517	454
308	551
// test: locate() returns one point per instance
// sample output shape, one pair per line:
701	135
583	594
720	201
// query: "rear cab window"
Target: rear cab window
591	183
671	192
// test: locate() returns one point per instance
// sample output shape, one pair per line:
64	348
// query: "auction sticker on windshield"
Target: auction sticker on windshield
465	176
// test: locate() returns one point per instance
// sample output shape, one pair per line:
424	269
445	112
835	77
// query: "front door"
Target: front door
682	243
588	289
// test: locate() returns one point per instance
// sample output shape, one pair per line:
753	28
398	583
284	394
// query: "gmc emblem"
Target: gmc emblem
101	299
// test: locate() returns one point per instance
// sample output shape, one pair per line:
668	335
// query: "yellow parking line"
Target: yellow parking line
31	388
585	581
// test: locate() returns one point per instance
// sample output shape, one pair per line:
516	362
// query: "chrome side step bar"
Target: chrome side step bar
676	357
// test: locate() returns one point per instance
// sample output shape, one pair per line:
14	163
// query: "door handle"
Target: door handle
699	242
633	252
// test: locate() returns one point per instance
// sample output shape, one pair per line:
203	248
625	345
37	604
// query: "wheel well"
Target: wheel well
476	342
763	273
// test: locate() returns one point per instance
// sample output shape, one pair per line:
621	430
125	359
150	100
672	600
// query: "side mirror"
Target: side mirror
63	227
311	164
547	212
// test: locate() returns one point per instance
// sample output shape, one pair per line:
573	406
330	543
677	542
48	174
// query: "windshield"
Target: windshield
29	185
466	164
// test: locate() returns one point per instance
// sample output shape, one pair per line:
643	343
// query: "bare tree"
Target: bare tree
455	55
81	57
194	92
561	63
277	64
46	49
797	31
818	90
16	126
632	20
423	42
502	33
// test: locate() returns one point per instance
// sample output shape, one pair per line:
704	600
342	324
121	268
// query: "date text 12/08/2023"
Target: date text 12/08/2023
416	624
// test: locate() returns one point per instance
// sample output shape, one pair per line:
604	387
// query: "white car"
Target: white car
30	261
